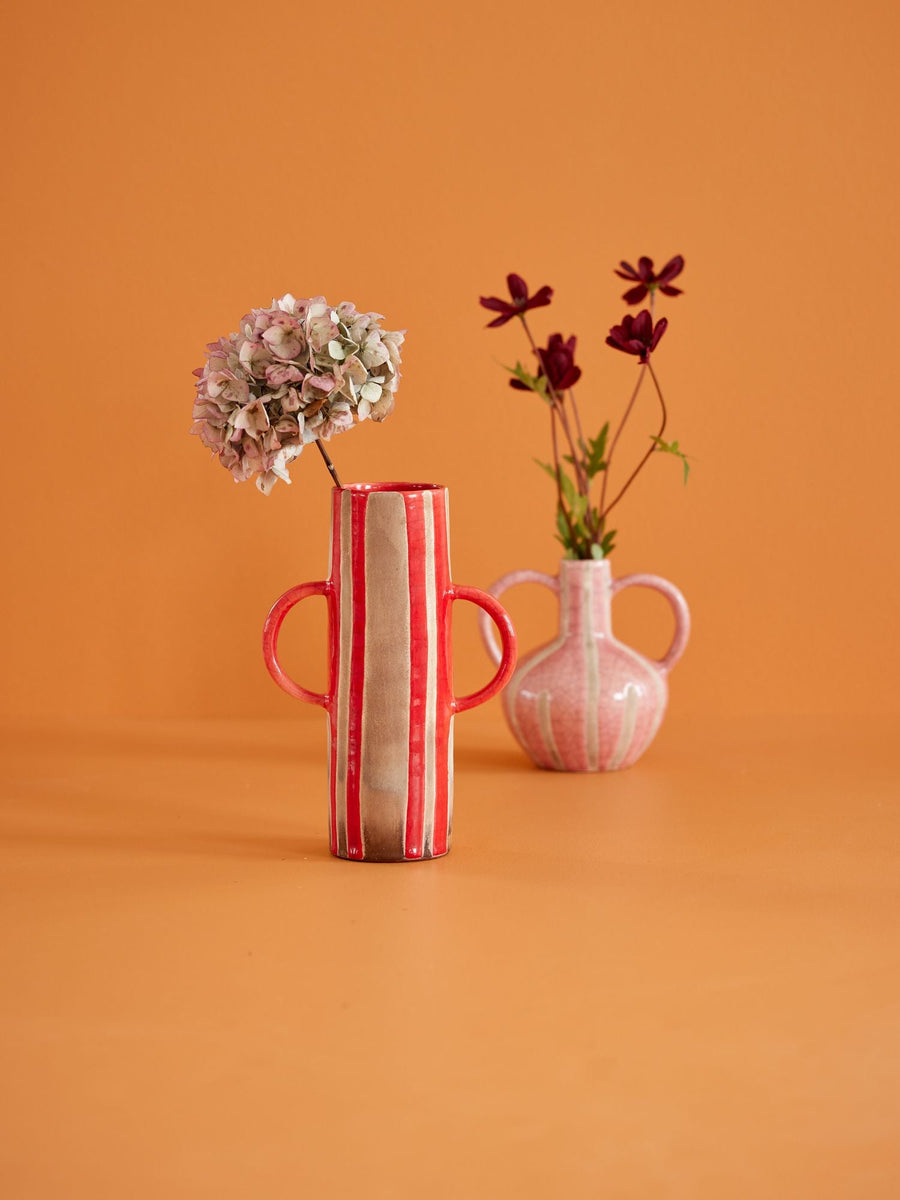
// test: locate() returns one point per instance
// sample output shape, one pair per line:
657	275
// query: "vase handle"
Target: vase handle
274	620
679	607
490	609
497	589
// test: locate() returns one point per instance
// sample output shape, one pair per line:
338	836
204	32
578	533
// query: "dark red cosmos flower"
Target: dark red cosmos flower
647	281
521	301
557	361
637	335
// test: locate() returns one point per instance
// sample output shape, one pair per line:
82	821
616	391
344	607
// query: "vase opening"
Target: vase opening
366	488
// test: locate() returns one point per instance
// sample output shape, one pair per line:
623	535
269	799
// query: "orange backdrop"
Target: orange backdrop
171	165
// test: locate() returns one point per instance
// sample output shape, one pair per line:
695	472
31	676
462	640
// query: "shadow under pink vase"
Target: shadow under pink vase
585	701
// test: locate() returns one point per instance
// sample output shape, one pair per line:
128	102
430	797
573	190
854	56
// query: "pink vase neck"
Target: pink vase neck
585	593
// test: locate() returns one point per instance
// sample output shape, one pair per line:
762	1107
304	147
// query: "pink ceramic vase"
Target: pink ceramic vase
585	702
390	698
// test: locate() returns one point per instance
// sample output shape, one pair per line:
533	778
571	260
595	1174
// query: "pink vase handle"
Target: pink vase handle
490	610
274	621
679	607
497	589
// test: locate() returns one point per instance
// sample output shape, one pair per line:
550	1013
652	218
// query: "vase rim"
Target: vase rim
366	488
584	562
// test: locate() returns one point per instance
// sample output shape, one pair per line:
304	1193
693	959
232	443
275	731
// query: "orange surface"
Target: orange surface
679	981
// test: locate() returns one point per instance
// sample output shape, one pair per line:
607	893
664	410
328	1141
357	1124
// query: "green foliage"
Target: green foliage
534	383
593	451
673	448
578	526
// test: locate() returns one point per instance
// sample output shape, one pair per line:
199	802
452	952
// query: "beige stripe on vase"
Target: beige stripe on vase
384	755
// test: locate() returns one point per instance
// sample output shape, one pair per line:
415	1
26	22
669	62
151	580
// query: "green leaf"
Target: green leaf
568	488
674	448
546	467
594	449
597	551
532	382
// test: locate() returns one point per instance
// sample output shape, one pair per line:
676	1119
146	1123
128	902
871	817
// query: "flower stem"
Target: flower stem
621	426
659	434
558	471
591	525
328	463
577	417
558	403
616	436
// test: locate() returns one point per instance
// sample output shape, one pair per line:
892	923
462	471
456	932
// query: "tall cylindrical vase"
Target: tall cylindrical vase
390	700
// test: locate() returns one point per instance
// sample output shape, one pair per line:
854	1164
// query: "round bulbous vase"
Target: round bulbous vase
585	701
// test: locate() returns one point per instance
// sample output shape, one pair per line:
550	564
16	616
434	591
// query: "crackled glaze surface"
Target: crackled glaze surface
585	701
390	702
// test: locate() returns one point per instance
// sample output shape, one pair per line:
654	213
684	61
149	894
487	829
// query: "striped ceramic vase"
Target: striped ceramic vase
390	700
585	701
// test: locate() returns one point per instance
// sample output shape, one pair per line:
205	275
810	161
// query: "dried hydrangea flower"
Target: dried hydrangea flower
297	372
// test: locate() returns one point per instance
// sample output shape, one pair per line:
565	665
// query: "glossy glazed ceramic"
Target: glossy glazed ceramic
586	702
390	700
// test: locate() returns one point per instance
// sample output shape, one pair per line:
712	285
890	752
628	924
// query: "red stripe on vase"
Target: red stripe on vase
443	682
357	533
334	610
418	674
